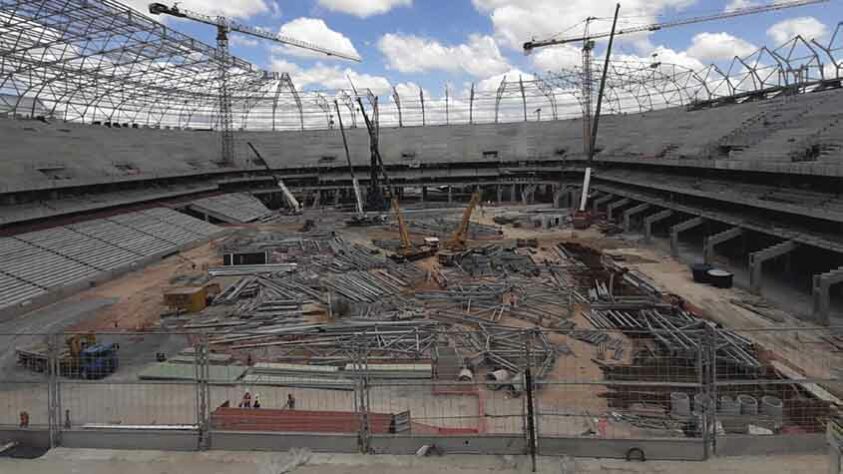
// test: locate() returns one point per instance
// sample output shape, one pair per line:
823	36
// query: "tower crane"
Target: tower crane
224	27
588	41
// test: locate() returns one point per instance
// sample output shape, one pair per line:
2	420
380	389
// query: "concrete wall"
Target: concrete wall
684	449
167	440
745	445
663	449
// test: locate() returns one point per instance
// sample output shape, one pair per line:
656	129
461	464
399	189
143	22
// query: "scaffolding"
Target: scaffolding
101	62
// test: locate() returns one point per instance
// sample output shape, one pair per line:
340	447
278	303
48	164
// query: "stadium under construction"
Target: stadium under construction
184	236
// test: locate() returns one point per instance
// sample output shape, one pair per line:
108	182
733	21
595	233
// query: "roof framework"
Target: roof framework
99	61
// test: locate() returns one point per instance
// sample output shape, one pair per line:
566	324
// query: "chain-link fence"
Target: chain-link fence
538	391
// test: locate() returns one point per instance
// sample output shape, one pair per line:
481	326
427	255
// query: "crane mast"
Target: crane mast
457	241
224	27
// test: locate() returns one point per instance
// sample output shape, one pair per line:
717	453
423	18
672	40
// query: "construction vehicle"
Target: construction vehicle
456	243
360	219
407	252
225	26
83	357
291	200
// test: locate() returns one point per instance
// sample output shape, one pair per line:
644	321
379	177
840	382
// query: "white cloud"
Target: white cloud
364	8
228	8
410	89
807	26
314	30
517	21
714	46
479	57
680	58
493	82
556	58
738	4
330	77
243	40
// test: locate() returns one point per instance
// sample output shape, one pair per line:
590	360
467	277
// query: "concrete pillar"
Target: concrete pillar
336	197
682	227
822	296
650	220
714	240
511	193
627	214
573	201
558	193
450	194
757	259
615	205
596	203
499	190
834	456
527	194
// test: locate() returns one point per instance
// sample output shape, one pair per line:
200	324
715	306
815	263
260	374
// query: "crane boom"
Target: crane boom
457	241
404	234
231	25
531	45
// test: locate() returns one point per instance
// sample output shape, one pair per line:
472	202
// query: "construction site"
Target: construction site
195	255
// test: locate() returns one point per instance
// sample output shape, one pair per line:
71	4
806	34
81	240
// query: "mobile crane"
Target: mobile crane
224	27
294	204
407	252
456	243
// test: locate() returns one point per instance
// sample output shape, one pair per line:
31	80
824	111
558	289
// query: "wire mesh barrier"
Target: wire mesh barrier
690	383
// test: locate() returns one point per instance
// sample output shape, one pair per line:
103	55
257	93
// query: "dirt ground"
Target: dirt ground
139	294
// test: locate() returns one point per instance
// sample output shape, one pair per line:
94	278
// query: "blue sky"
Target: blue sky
431	43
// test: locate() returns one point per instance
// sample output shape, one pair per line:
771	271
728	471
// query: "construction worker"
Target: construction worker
257	403
291	402
246	402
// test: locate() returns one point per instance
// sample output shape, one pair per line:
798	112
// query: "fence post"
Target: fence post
53	403
361	396
712	384
706	366
528	385
203	424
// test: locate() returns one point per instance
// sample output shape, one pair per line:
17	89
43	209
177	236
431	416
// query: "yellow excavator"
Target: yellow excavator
456	243
407	252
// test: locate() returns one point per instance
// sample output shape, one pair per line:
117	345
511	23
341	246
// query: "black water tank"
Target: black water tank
720	278
700	272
